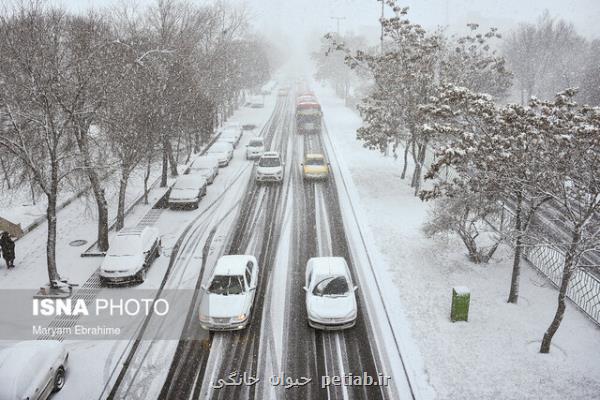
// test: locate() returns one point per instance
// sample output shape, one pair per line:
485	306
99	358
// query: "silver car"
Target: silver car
32	370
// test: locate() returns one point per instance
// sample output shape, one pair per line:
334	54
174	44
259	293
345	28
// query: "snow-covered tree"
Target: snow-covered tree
36	128
408	72
499	151
573	134
472	61
545	57
590	80
463	213
82	82
331	66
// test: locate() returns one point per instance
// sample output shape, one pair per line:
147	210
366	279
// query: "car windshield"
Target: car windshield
333	286
123	246
269	162
226	285
255	143
315	161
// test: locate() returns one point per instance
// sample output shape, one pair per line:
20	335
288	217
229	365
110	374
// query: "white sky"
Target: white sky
289	17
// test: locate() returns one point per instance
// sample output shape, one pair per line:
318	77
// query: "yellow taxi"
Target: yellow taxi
315	167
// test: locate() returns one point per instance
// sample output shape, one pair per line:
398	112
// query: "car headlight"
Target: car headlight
241	317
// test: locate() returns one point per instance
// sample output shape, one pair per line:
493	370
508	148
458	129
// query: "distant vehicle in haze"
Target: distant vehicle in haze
269	168
228	297
206	166
255	148
32	370
255	102
330	294
129	256
223	151
187	191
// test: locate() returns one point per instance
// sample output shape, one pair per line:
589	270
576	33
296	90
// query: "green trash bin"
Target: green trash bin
461	296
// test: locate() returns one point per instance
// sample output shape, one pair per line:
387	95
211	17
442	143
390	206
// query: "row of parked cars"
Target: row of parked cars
133	250
229	295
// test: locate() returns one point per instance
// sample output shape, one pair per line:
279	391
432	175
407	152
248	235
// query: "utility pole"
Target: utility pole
338	19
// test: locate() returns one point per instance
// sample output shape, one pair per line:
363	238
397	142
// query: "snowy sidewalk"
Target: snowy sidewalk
494	355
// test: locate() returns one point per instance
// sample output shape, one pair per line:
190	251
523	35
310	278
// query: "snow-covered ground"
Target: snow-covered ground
495	354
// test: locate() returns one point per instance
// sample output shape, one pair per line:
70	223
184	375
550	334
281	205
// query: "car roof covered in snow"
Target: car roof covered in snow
21	364
190	181
205	161
329	266
220	147
233	264
136	231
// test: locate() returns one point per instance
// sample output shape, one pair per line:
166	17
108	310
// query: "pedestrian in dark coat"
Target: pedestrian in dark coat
8	249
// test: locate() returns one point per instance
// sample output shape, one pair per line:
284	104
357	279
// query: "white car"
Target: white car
206	166
223	151
269	168
130	254
229	294
330	298
232	125
255	148
232	135
256	102
187	191
32	370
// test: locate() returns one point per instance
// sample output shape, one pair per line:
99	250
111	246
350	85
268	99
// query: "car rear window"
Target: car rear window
255	143
315	161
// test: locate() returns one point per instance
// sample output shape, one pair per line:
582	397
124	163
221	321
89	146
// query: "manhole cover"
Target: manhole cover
78	242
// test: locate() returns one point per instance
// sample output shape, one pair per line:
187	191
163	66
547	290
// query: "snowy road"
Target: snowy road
283	226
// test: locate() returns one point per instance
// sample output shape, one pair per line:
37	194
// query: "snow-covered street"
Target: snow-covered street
299	200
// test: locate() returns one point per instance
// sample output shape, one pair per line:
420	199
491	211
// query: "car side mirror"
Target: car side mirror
305	288
329	164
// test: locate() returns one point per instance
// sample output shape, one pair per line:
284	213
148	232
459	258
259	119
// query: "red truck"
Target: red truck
308	115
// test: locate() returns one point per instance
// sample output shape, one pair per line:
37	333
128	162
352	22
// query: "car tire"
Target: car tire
59	379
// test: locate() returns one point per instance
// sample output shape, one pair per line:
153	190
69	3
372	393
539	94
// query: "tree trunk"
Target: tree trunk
102	206
513	296
165	162
51	218
416	181
172	161
99	195
562	293
5	172
405	166
146	178
121	204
